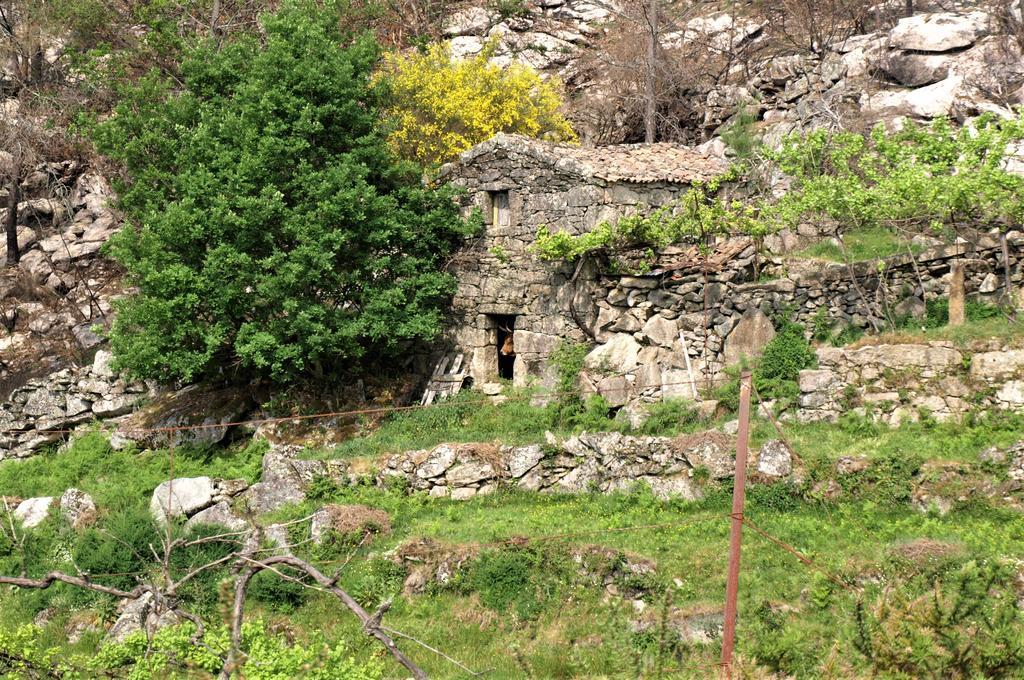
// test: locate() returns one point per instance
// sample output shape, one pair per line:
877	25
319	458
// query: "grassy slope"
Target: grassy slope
584	633
579	631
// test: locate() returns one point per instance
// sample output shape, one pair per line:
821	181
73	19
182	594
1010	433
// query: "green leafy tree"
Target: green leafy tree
276	234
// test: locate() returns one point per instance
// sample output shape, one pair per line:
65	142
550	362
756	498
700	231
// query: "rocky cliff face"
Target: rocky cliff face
948	59
61	290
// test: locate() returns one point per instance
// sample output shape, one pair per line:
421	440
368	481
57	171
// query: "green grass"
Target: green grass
960	441
861	244
121	479
1008	332
472	418
565	628
585	633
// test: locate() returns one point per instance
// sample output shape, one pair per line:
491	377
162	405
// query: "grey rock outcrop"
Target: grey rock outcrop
940	32
285	478
196	415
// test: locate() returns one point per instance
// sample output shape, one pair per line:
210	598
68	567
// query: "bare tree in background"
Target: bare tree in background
811	26
13	198
649	75
22	27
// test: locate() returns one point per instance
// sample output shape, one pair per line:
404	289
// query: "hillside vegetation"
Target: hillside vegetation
278	234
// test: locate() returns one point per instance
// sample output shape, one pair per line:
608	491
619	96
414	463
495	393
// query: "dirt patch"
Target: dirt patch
685	442
923	550
357	519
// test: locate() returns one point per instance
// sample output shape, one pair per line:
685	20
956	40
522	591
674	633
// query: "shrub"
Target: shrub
567	359
779	366
442	107
275	231
120	547
505	581
965	626
276	593
378	580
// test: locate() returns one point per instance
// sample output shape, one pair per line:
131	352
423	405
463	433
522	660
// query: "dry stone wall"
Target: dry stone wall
898	383
600	462
725	314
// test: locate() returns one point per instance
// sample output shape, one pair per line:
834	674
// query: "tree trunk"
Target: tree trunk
11	223
650	92
214	17
909	8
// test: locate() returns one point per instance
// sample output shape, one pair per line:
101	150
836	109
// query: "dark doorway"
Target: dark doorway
505	324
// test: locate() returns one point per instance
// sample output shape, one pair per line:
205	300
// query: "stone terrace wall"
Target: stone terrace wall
599	461
894	383
639	318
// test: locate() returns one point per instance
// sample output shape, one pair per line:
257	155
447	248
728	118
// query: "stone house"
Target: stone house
512	309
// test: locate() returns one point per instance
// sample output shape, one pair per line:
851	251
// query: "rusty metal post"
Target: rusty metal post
736	532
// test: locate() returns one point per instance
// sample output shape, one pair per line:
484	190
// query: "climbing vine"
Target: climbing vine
921	178
701	212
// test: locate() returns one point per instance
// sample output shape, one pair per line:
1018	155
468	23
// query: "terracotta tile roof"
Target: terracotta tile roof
636	163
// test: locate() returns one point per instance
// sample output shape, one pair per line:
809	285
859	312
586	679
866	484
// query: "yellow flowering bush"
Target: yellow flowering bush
442	107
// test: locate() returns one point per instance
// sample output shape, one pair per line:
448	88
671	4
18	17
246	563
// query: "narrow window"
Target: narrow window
500	215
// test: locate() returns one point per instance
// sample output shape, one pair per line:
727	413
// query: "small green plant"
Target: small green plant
567	360
508	9
739	134
967	625
506	581
821	325
500	254
669	416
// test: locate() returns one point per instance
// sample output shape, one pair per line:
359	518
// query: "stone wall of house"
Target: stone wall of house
726	313
897	383
498	275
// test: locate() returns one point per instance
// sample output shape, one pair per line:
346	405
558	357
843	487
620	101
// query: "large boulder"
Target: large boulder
184	496
219	514
618	355
940	31
286	477
33	511
924	102
208	414
748	337
915	70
